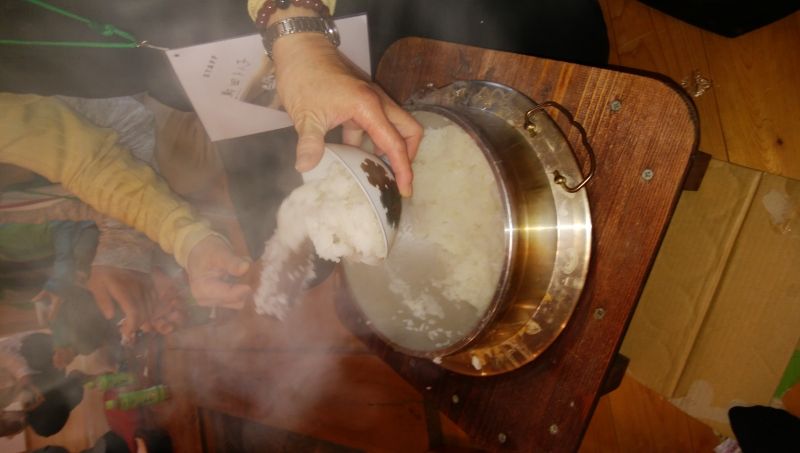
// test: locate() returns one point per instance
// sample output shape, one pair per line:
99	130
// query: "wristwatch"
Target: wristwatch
302	24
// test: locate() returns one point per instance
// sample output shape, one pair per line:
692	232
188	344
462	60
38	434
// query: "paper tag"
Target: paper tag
231	83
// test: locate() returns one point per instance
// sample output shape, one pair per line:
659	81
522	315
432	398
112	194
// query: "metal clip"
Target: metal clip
150	46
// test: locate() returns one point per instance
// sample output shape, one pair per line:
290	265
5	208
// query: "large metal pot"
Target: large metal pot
547	236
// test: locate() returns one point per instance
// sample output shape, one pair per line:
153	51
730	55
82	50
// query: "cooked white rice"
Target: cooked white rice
336	215
456	208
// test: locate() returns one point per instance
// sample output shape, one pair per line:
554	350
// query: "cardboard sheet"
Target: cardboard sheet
718	321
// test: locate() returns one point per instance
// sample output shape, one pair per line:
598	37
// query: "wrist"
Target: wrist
300	48
279	19
305	25
292	11
208	245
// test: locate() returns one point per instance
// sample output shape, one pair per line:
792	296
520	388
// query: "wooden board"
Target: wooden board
748	116
756	80
546	405
646	39
306	375
635	418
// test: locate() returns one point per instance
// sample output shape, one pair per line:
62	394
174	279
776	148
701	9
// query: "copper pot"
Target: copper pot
547	235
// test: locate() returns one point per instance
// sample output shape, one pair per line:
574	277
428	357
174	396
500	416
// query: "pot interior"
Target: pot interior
495	302
449	259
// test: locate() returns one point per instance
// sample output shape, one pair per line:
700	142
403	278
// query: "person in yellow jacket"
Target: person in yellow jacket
45	136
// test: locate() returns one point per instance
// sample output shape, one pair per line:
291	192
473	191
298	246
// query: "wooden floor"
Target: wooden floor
633	418
750	117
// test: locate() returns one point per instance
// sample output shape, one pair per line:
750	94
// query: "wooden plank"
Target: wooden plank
645	421
649	40
226	434
178	415
307	374
546	406
613	54
756	84
601	436
311	325
635	418
355	401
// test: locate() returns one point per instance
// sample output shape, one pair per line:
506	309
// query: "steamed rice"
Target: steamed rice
333	213
456	208
336	215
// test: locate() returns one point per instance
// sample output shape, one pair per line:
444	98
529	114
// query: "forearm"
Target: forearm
123	247
75	210
45	136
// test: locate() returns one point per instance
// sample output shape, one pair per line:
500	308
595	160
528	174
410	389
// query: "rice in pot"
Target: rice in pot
444	267
457	208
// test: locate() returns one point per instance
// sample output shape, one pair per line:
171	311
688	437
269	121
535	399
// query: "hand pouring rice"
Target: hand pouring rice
491	253
332	215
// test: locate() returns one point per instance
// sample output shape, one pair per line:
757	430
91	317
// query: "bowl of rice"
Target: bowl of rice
491	253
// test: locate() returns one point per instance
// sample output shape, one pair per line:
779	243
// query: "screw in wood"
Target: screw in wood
616	105
599	313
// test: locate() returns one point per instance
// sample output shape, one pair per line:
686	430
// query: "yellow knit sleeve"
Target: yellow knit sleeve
44	135
254	5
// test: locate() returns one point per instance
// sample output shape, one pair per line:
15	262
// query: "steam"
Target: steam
281	373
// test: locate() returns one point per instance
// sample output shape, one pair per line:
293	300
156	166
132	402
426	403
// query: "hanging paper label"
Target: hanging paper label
231	83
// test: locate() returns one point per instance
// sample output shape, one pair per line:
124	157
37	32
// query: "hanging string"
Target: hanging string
106	30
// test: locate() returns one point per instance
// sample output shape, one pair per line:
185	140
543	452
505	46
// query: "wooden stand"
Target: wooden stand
643	130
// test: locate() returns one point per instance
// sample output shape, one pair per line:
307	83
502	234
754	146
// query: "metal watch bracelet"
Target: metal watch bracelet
302	24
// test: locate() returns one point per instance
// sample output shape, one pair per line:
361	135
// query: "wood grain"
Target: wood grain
645	39
308	375
659	426
758	91
601	436
178	415
546	406
636	418
749	115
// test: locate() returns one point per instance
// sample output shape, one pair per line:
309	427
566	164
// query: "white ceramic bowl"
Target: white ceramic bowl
374	177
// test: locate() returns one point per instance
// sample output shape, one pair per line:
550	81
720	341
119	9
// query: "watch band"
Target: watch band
302	24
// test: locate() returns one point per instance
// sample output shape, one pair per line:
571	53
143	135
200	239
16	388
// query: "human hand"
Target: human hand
213	269
320	90
170	312
51	299
29	396
132	291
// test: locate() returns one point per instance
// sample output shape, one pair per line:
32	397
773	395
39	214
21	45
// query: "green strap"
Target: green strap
113	45
102	29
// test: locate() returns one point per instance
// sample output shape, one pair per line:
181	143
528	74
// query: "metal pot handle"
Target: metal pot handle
532	129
